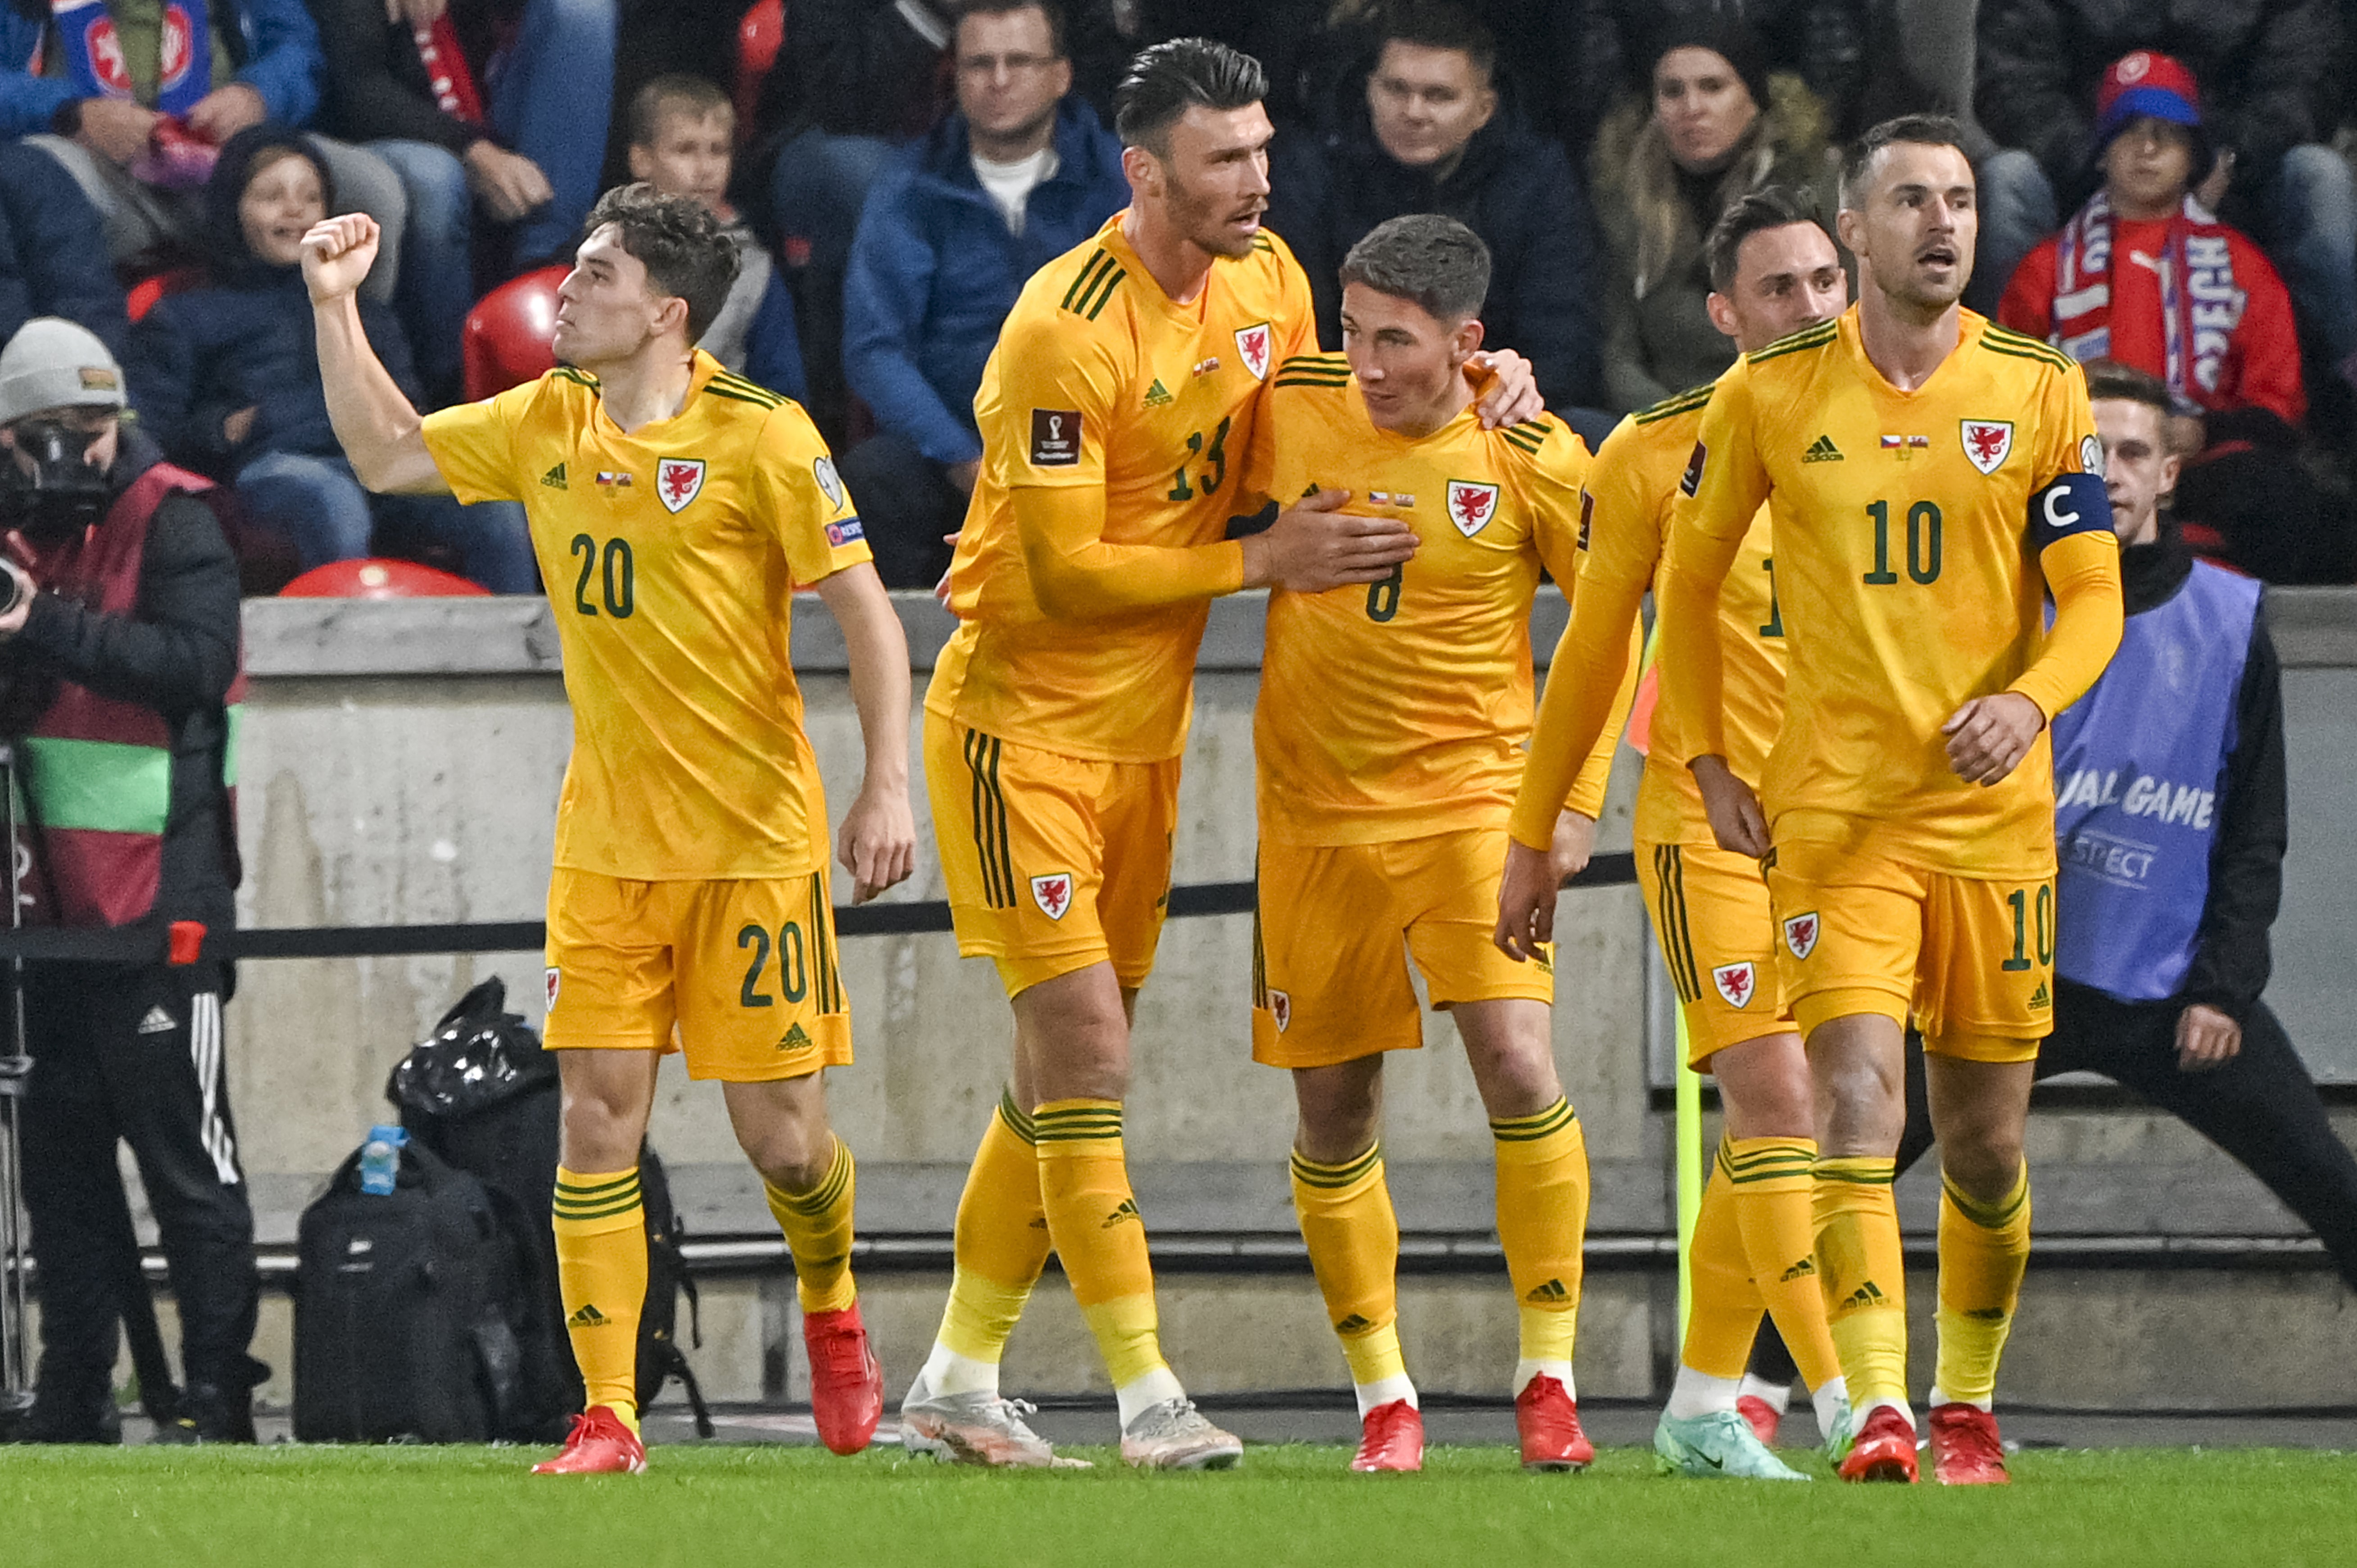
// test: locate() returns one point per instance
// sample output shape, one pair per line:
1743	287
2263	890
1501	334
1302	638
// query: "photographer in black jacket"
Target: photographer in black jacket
118	665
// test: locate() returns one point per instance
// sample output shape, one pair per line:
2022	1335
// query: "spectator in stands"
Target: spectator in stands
855	80
496	106
2145	275
1713	127
683	139
90	96
122	631
1021	172
2265	67
53	259
227	377
1428	139
1824	42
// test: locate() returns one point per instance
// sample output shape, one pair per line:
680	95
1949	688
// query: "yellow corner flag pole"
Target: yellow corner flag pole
1690	1173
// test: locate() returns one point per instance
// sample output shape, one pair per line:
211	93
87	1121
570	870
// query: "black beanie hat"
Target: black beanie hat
1725	37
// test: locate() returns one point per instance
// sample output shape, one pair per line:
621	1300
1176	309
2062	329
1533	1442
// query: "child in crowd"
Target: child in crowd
2144	274
226	377
682	132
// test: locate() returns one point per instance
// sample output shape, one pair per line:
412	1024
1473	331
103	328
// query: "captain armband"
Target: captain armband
2072	503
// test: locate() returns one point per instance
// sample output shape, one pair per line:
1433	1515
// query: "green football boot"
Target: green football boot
1720	1446
1840	1434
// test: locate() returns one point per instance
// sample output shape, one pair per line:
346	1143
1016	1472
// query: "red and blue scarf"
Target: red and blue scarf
93	53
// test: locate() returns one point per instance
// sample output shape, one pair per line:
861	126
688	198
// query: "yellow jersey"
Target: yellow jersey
670	554
1100	380
1909	528
1399	710
1632	485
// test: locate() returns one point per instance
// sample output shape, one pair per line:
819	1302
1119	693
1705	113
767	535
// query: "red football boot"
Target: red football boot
598	1444
846	1381
1965	1451
1885	1449
1393	1439
1549	1424
1765	1418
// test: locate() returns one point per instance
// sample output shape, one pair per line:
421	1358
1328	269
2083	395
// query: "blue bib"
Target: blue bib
2139	781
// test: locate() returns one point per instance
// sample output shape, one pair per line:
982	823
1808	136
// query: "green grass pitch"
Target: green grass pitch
1288	1504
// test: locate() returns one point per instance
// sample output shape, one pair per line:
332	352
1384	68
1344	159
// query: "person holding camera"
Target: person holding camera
118	673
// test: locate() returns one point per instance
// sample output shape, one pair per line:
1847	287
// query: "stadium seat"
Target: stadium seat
507	336
148	290
374	579
760	34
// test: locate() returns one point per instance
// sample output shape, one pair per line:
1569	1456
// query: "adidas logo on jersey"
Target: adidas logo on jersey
1128	1210
554	478
1822	450
1554	1290
158	1022
797	1039
1157	395
1799	1270
1866	1294
588	1318
2041	997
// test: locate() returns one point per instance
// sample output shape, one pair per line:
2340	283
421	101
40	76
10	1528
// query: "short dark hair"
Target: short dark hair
1441	25
2111	378
1049	10
1167	80
674	92
1914	130
1436	261
1770	207
679	240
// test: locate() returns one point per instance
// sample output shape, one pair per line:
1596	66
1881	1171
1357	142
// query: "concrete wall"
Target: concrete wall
402	764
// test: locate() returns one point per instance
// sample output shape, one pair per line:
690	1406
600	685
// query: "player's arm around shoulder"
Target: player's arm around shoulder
374	421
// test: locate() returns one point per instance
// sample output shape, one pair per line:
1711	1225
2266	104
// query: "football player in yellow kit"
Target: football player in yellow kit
675	508
1115	415
1933	479
1775	273
1388	740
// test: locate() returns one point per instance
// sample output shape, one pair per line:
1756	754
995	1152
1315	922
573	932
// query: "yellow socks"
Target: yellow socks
1541	1222
817	1224
1354	1239
1724	1316
1865	1279
1983	1247
1002	1245
1770	1187
601	1273
1093	1221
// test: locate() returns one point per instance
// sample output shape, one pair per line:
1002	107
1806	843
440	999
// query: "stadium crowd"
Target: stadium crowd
892	173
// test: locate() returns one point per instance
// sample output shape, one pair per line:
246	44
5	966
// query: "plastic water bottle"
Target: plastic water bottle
381	1159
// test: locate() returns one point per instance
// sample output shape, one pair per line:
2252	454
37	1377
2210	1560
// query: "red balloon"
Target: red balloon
366	579
509	334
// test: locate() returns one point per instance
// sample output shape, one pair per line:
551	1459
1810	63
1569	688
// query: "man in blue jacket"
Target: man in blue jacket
1021	172
53	259
116	94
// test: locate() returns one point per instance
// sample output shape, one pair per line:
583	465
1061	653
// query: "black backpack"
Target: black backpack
407	1308
483	1095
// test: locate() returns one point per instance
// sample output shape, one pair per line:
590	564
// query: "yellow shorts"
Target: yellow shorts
1971	959
1718	939
1053	863
1338	926
737	976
